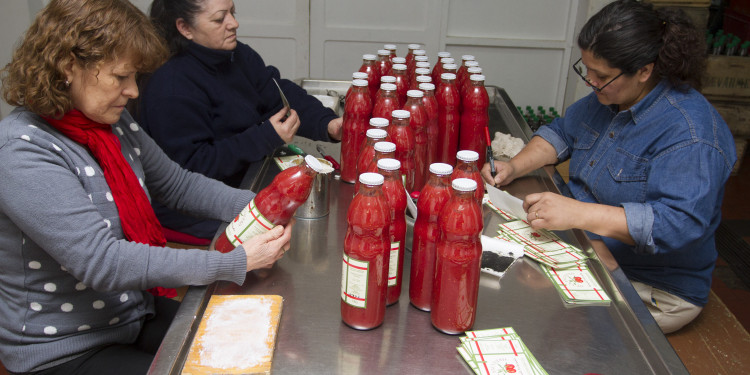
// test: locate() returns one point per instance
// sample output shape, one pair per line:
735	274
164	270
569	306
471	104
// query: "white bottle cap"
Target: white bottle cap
441	169
423	79
414	94
464	184
398	60
314	163
389	164
427	86
422	65
359	82
467	57
399	67
401	114
389	46
385	147
449	76
421	58
414	46
422	71
384	52
369	56
444	54
377	133
467	155
471	63
447	60
450	66
474	70
476	77
378	122
370	178
387	87
387	79
359	75
419	52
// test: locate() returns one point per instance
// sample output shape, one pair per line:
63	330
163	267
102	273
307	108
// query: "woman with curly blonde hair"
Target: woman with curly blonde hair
80	243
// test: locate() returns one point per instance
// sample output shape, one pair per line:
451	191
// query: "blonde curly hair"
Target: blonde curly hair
90	31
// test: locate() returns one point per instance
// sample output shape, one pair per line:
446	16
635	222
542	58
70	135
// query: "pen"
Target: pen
490	158
296	150
328	157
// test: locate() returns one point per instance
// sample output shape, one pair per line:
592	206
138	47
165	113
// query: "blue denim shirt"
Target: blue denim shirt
665	160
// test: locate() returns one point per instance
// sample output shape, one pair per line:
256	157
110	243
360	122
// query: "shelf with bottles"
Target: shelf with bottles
728	44
535	118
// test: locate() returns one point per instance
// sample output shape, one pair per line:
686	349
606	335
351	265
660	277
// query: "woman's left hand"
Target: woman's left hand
335	128
552	211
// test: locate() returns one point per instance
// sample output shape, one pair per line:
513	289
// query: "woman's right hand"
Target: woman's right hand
286	129
265	249
505	173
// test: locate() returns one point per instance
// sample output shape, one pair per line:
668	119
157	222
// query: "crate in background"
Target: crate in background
727	78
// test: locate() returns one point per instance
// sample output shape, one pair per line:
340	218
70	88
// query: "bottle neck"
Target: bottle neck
464	195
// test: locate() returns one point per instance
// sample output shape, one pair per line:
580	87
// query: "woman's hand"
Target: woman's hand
286	129
265	249
505	173
335	128
552	211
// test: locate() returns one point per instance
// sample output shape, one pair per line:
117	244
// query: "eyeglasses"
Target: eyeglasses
581	70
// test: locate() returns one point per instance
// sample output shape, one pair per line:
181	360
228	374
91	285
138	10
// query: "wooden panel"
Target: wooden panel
727	78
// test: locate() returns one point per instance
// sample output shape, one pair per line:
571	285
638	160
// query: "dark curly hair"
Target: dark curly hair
92	32
629	35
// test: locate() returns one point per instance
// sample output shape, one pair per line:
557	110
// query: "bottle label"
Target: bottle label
249	223
393	263
354	282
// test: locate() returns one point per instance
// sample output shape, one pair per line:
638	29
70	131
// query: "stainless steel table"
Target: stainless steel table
620	338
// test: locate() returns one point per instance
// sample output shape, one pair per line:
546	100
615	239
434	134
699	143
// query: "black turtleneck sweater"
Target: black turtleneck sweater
209	109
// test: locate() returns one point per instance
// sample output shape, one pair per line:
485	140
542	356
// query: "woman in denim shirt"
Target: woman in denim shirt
649	157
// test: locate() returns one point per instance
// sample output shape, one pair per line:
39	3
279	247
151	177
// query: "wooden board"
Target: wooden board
237	335
727	78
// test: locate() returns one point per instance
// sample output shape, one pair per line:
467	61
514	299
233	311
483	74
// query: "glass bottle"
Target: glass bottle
357	111
431	107
402	135
387	79
391	50
448	68
396	197
472	70
383	150
449	119
274	205
463	72
475	117
432	198
458	261
384	61
386	101
373	73
437	70
382	124
364	278
420	72
410	53
368	150
402	82
355	75
467	167
418	121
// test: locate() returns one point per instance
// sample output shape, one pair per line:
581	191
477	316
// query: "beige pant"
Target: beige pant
670	312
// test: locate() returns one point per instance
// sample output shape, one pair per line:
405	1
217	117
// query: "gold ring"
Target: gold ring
537	214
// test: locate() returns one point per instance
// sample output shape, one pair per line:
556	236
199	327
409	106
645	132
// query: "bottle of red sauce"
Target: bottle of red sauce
383	61
418	121
467	167
383	150
391	49
475	117
395	194
449	119
357	112
432	198
431	107
386	101
472	70
457	266
368	150
402	134
461	75
367	244
410	53
382	124
437	70
421	75
373	73
398	60
449	67
402	82
274	205
355	75
411	65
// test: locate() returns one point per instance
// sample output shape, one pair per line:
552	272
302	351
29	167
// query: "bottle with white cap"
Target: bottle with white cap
383	150
392	50
402	82
458	260
475	118
374	135
432	199
370	67
467	167
395	194
449	118
421	75
386	101
357	111
402	135
384	61
367	244
431	107
418	121
410	52
437	70
463	72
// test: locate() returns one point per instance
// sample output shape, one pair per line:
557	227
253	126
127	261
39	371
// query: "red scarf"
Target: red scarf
139	222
